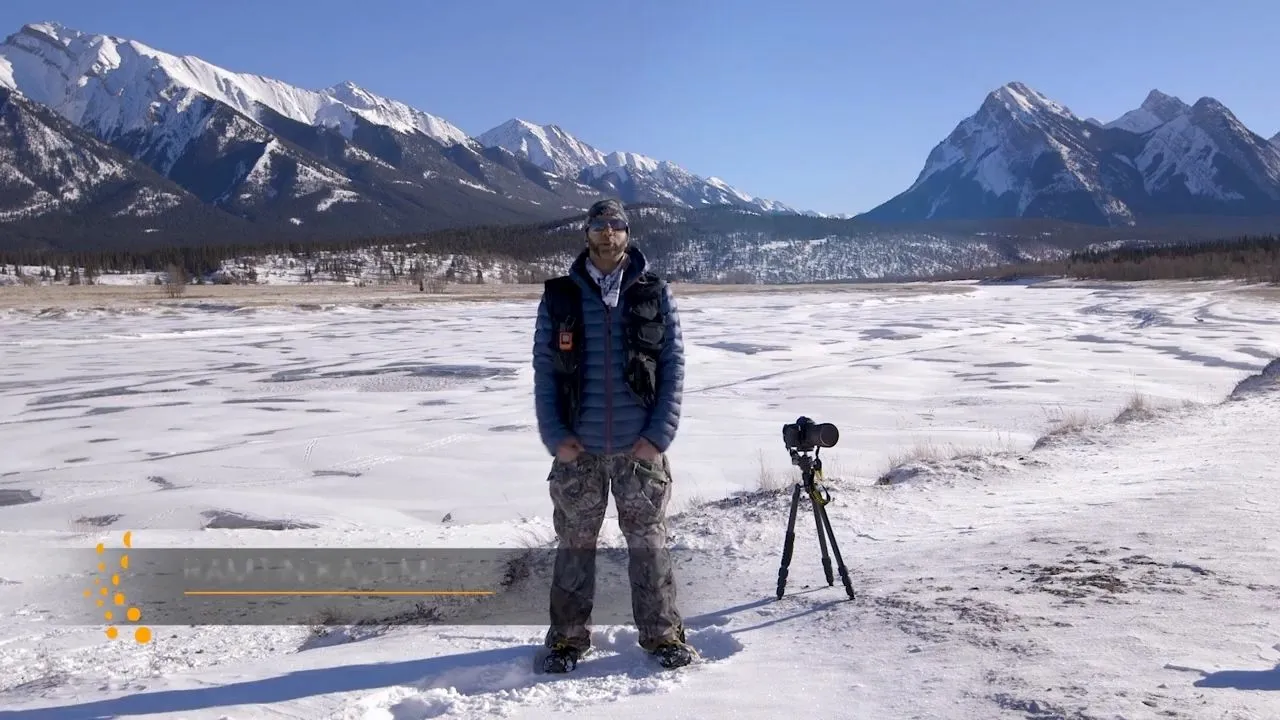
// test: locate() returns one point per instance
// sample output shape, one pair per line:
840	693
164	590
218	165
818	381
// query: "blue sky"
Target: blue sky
827	105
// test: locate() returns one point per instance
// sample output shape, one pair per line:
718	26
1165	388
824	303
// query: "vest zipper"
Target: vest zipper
608	380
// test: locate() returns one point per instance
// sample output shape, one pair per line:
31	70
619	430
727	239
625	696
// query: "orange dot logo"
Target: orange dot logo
141	634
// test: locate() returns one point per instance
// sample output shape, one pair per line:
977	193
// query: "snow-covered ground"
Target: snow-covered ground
1121	569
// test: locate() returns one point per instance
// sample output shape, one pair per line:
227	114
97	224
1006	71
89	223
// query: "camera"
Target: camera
804	435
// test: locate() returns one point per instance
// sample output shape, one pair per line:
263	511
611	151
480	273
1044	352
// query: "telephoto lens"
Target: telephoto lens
805	434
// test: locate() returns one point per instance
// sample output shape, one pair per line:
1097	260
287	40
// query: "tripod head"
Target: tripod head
808	464
811	476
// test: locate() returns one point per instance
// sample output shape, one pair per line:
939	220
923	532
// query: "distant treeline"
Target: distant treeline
1249	258
1190	248
527	242
522	242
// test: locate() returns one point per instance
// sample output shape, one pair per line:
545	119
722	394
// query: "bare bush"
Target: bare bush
740	276
175	280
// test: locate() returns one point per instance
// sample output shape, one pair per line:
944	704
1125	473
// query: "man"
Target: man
608	363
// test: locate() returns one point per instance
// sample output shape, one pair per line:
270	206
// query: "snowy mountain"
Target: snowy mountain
64	184
633	177
314	163
110	86
546	146
1155	111
1025	155
323	163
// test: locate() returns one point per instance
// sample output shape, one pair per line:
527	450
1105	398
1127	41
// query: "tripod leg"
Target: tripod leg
818	514
788	545
844	572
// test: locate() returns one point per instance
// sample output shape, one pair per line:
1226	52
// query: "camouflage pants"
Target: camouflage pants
580	495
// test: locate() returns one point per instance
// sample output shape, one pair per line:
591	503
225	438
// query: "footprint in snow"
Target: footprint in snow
616	667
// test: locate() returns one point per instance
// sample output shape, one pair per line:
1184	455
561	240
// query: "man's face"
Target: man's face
607	236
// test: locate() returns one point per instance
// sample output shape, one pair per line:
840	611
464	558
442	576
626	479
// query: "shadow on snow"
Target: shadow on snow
469	673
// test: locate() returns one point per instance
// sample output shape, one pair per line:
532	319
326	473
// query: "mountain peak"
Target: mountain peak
546	146
1209	104
530	126
1156	110
639	178
1164	107
1156	99
349	93
520	125
632	160
1208	113
1022	100
50	30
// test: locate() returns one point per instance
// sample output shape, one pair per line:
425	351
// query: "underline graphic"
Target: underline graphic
334	592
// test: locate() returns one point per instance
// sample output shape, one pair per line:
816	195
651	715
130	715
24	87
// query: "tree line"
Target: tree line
1176	250
525	242
518	242
1251	258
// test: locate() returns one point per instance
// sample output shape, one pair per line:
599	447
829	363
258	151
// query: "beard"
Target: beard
608	249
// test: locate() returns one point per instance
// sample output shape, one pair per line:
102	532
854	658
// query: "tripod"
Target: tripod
811	468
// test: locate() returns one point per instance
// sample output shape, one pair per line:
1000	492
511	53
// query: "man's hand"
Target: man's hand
569	449
645	450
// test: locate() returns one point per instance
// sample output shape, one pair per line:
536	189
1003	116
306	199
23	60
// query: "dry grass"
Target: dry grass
921	451
769	478
692	503
1141	407
1065	424
1137	408
926	452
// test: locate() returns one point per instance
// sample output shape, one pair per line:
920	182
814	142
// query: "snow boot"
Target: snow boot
675	655
561	659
